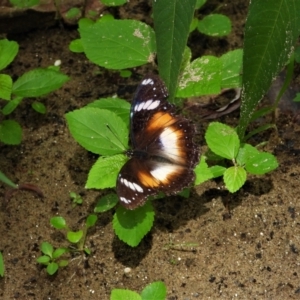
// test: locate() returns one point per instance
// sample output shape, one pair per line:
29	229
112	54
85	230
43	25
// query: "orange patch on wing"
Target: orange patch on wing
160	120
147	180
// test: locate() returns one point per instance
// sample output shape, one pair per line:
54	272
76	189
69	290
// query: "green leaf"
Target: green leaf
103	42
8	51
11	106
297	54
132	225
76	46
74	236
203	173
215	25
5	86
6	180
44	259
24	3
10	132
172	20
113	2
47	248
106	203
156	290
222	140
232	69
245	153
119	106
261	163
39	107
234	178
52	268
39	82
59	252
91	220
58	222
200	3
271	31
120	294
201	77
63	263
217	171
2	267
73	13
297	98
104	172
98	130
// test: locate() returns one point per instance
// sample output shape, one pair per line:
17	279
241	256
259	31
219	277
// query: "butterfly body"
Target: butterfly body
163	154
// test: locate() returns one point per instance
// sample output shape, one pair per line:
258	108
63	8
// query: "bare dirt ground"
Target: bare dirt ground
252	254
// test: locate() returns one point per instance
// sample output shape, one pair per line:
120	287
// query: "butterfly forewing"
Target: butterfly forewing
163	153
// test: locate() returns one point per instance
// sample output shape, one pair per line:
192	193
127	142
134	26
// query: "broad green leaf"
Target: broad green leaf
73	13
6	180
98	130
39	82
217	171
113	2
106	203
118	44
155	290
200	3
2	267
119	106
261	163
122	294
47	248
91	220
203	173
172	21
201	77
58	222
39	107
215	25
245	153
234	178
5	86
52	268
104	172
271	31
10	132
76	46
222	140
74	236
232	69
132	225
24	3
297	98
8	51
11	105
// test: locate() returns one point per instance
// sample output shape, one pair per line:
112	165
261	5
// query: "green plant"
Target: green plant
35	83
52	257
155	290
24	3
75	198
2	267
224	142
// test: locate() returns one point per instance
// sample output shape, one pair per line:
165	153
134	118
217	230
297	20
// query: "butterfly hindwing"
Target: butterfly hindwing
163	153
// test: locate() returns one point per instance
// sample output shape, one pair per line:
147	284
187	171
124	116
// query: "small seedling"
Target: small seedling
155	290
76	198
75	237
51	257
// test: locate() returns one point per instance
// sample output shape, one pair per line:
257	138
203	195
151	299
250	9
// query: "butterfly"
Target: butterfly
163	153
